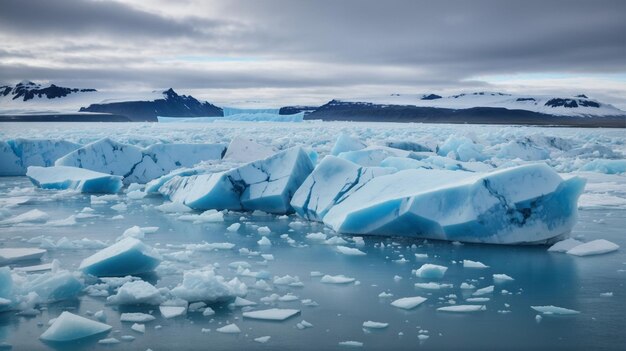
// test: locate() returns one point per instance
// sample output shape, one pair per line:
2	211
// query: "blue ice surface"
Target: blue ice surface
54	286
345	143
605	166
265	185
463	206
83	180
126	257
16	155
69	327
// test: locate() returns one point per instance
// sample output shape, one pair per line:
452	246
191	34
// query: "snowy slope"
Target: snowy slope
579	105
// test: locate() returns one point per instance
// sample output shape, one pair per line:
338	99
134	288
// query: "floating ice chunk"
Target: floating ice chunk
548	310
477	299
229	329
272	314
262	339
463	148
564	245
32	216
241	302
12	255
501	278
18	154
83	180
208	312
408	303
462	308
346	143
139	328
484	291
407	145
286	280
372	156
242	149
126	257
53	286
525	204
432	286
69	221
351	343
473	264
375	325
331	182
336	279
136	317
265	185
595	247
316	236
431	271
173	207
69	327
208	216
264	230
138	165
136	292
605	166
233	227
172	311
350	251
108	341
206	286
264	241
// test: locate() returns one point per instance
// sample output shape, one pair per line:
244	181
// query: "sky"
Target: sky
311	51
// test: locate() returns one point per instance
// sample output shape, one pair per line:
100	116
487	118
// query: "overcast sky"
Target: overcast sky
312	51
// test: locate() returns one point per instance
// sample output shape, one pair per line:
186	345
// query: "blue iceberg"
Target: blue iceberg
83	180
126	257
69	327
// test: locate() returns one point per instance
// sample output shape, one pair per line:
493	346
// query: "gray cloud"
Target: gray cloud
350	43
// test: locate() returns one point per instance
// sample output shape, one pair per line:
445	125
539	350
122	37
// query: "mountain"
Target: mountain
27	90
169	105
475	108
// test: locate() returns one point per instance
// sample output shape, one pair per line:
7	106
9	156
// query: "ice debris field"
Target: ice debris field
264	235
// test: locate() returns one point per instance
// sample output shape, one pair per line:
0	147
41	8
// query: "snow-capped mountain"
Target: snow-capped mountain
479	107
28	101
169	104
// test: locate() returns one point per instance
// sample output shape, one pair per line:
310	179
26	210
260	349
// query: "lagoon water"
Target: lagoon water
540	277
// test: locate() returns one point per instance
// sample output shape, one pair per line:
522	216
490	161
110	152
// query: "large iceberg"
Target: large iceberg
267	185
83	180
18	154
332	181
126	257
525	204
139	165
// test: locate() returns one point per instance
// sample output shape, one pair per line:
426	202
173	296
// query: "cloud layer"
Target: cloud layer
307	51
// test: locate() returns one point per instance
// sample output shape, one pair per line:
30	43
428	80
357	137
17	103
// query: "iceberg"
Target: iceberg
137	165
52	286
346	143
126	257
272	314
18	154
462	308
267	185
332	181
524	204
12	255
206	286
83	180
246	150
431	271
136	292
69	327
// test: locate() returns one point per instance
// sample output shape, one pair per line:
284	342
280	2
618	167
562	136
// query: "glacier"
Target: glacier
80	179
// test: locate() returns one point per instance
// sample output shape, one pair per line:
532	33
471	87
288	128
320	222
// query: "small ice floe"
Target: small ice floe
272	314
139	328
564	245
263	339
264	241
432	286
136	317
241	302
229	329
553	310
595	247
304	325
17	254
375	325
473	264
462	308
136	292
484	291
32	216
69	327
350	251
408	303
108	341
431	271
233	227
173	308
351	343
173	207
501	278
336	279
